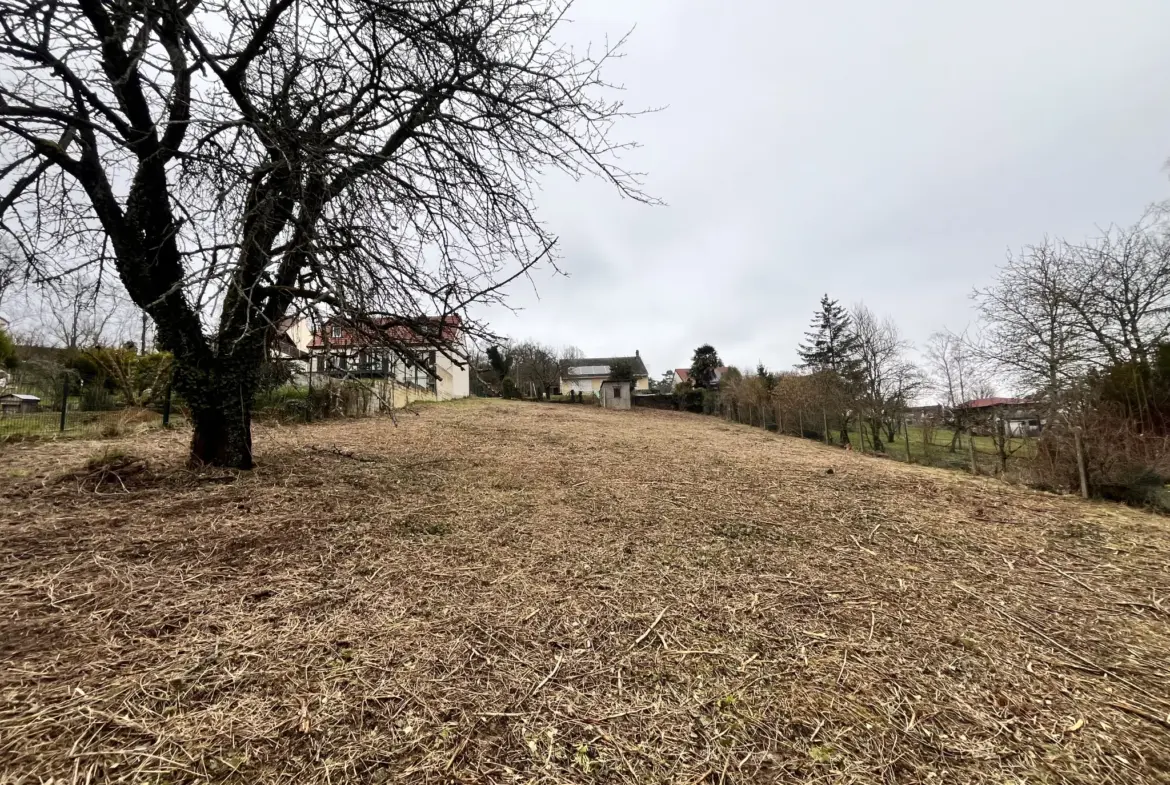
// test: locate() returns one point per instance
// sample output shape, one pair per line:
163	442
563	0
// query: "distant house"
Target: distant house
585	376
1018	415
290	341
683	375
19	403
920	415
398	350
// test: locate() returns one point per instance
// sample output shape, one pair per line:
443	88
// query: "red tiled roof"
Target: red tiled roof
985	403
393	329
684	374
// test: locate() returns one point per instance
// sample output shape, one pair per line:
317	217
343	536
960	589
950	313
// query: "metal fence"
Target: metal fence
75	410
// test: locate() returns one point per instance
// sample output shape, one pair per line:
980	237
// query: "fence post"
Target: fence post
1080	448
64	399
167	400
309	398
971	451
825	418
906	438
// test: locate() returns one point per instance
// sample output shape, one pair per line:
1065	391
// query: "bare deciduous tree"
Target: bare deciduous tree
1031	330
1119	286
956	373
537	368
235	159
888	381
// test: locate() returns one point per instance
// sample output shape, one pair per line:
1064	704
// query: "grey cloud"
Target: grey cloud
887	152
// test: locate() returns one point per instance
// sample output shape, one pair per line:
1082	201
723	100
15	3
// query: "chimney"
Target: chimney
637	353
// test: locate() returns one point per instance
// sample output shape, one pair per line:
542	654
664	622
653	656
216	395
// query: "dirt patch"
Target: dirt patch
497	591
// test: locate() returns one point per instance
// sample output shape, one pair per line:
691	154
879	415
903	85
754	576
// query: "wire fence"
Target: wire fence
988	449
76	410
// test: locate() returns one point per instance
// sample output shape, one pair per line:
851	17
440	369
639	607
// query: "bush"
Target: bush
287	402
508	389
96	398
1120	463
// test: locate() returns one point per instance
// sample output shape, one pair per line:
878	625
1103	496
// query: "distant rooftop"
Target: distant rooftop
593	367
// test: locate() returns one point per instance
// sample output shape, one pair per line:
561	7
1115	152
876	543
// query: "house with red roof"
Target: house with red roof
683	375
426	353
1018	415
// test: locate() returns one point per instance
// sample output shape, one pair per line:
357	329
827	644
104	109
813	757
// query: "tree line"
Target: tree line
1080	330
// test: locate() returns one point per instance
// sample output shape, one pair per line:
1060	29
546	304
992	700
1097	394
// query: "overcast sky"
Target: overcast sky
888	151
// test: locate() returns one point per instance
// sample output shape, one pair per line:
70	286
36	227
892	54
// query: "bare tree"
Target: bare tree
956	373
537	368
1032	330
79	312
233	159
888	381
1119	287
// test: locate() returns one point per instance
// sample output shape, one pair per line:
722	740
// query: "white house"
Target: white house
585	376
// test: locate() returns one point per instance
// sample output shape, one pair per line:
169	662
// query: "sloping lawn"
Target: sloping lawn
516	592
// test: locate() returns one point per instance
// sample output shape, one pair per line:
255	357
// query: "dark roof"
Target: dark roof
590	367
987	403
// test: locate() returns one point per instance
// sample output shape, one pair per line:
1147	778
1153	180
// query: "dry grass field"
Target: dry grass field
506	592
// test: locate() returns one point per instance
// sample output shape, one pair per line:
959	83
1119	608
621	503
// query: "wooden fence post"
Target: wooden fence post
825	418
64	398
971	451
906	438
1080	448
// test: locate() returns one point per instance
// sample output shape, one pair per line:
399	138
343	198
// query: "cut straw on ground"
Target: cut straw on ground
514	592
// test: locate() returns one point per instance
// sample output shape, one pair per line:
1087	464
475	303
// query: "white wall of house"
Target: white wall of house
453	382
301	333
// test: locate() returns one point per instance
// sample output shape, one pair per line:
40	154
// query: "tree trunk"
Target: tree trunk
223	437
220	399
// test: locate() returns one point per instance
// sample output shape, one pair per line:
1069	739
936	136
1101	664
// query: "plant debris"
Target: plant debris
518	592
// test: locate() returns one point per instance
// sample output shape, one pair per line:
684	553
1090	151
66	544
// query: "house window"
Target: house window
336	331
617	391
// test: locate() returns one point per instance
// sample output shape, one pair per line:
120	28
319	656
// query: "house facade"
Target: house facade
395	352
586	376
290	342
1018	416
683	375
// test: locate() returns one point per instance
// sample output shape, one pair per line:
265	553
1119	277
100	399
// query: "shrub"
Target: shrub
1120	463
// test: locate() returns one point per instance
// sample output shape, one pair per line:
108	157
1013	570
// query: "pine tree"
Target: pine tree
832	345
704	366
831	353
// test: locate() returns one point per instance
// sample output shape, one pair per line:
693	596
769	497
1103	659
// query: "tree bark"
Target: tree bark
220	399
223	437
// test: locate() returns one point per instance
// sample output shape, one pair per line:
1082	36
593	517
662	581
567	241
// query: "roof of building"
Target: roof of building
20	396
987	403
684	374
595	367
416	332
